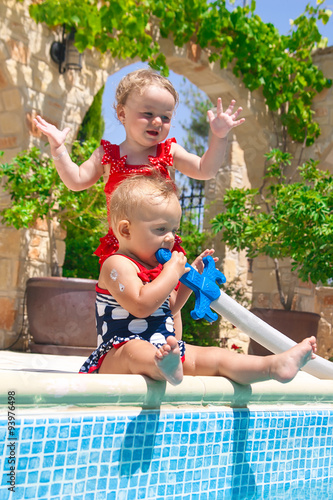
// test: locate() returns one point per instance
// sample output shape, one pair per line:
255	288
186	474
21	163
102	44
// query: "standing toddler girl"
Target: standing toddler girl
145	103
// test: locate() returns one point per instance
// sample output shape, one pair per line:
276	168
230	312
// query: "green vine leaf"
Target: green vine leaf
281	66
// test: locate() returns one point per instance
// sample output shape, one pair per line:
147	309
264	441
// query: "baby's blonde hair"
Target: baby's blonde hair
136	190
138	81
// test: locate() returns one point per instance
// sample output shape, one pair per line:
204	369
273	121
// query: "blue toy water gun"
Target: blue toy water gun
204	285
209	296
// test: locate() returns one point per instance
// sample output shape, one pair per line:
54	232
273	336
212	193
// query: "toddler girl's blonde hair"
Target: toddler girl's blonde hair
138	81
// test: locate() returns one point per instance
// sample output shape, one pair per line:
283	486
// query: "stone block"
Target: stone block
275	301
4	54
5	274
325	339
20	74
264	281
35	241
261	300
19	51
10	123
237	154
7	313
61	251
34	254
229	269
10	241
305	303
40	252
41	224
59	232
261	262
328	300
12	99
8	142
322	115
3	80
33	269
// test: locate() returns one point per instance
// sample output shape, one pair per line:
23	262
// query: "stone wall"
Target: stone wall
30	84
323	305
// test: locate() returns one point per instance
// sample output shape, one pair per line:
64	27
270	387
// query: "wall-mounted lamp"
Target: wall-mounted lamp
65	54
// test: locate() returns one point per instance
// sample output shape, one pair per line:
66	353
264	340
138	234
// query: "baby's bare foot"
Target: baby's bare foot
168	361
286	365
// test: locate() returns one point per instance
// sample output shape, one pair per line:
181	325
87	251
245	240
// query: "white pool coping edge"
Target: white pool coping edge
40	380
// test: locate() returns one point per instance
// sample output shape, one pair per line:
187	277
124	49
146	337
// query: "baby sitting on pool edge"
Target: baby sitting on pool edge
137	298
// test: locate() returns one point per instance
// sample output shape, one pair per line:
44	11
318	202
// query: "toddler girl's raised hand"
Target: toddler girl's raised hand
223	122
55	136
74	177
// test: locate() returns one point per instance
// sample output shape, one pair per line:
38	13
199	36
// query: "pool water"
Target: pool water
170	454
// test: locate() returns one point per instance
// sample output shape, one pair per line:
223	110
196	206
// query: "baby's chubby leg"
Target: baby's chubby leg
168	362
247	369
282	367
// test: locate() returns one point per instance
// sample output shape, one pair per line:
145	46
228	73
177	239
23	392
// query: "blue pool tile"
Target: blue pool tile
232	450
86	430
25	448
71	459
55	489
102	484
30	492
49	446
39	433
61	445
37	447
75	430
67	489
109	429
59	461
21	478
32	477
64	431
43	491
22	463
69	474
91	484
87	418
72	445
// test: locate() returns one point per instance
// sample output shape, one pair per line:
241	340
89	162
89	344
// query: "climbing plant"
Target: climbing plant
281	66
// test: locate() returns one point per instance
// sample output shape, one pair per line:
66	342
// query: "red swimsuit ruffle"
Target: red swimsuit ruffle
119	170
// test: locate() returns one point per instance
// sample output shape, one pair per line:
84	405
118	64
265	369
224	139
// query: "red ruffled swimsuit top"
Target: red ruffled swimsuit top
119	170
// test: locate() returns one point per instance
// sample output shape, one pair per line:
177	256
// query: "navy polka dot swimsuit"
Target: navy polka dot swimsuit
116	326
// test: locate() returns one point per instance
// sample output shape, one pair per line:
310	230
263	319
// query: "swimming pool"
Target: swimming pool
112	437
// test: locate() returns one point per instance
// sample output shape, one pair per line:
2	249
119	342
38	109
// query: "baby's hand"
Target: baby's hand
198	263
177	263
223	122
56	137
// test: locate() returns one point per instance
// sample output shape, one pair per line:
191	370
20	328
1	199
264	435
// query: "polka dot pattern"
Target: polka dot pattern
116	326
